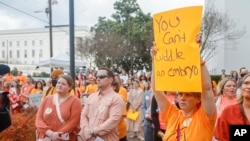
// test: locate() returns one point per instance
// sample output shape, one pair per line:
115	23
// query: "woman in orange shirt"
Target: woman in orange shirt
92	87
38	88
59	114
195	120
122	128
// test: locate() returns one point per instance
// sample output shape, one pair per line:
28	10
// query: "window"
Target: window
33	53
41	42
10	53
33	43
3	44
40	53
18	43
25	43
17	53
25	54
10	43
3	54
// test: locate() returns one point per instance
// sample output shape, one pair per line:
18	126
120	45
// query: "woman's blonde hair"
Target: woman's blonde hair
240	97
222	85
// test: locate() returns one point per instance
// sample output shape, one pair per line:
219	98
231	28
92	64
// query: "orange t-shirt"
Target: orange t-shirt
26	91
91	88
36	91
82	89
122	128
171	99
197	127
21	79
8	77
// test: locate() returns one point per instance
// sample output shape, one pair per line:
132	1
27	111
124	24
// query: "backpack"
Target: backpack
5	120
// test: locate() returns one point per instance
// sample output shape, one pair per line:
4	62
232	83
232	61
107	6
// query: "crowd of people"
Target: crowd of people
96	104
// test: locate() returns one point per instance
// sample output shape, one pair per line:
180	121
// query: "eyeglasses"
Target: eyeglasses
243	74
102	76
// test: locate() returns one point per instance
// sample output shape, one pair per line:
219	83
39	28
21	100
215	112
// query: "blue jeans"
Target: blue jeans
148	130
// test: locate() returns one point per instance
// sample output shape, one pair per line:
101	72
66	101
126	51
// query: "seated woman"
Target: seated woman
237	114
195	120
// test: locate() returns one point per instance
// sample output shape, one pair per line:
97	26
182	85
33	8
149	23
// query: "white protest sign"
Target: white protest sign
35	99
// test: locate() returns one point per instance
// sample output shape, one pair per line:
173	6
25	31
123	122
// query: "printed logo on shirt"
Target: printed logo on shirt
101	107
187	122
48	111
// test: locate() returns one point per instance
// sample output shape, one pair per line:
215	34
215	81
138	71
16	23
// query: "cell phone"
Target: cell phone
64	136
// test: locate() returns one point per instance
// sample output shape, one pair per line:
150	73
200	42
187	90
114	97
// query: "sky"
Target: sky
21	14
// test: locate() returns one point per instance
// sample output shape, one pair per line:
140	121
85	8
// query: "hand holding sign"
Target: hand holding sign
178	59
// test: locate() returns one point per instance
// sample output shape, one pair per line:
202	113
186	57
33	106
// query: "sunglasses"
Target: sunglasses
102	76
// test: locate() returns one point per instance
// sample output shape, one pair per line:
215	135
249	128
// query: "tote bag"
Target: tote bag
132	115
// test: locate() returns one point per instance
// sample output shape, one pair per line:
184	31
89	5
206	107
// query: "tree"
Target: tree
107	43
125	40
217	26
84	49
137	27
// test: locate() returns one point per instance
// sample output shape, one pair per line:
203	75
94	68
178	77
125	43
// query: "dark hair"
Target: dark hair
43	82
109	73
242	68
116	86
40	83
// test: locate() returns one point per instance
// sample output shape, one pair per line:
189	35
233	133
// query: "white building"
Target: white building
24	48
233	55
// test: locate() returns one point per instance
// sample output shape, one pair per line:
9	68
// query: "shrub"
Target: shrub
22	127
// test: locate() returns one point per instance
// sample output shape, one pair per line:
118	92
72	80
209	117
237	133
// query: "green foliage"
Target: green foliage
216	78
124	40
44	74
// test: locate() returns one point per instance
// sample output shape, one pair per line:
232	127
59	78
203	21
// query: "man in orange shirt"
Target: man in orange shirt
105	107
